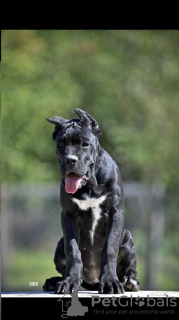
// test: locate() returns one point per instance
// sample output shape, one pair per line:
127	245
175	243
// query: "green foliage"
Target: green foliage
30	266
128	80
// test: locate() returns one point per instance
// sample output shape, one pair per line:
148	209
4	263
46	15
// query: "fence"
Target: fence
31	223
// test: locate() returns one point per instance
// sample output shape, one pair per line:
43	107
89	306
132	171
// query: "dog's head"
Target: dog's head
76	148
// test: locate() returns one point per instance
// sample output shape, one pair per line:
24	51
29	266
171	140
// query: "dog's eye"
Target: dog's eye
60	145
85	144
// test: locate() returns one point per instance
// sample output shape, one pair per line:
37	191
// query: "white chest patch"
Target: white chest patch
94	204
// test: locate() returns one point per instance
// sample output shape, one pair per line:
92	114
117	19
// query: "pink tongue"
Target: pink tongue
72	182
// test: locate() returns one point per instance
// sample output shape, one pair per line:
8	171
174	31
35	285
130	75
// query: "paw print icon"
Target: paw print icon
140	302
72	308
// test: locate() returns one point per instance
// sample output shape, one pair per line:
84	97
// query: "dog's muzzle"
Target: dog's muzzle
71	160
76	176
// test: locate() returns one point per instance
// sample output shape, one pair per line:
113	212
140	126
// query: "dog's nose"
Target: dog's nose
70	159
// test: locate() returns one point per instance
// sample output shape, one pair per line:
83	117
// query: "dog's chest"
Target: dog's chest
94	205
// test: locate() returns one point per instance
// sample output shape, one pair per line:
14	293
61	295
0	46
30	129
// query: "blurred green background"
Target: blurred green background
128	80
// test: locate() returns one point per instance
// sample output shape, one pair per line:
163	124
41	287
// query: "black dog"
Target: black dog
95	251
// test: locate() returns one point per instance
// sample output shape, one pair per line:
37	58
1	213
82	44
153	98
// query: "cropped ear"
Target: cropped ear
59	122
88	121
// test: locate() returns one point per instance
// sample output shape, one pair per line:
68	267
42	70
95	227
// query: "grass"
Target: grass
30	266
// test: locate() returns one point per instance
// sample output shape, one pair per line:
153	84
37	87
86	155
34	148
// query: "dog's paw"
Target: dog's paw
130	284
68	285
50	284
110	285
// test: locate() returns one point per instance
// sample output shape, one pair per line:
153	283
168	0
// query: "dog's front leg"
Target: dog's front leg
73	275
109	282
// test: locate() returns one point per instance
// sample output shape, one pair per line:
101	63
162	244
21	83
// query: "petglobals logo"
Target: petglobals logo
72	307
98	305
131	302
130	305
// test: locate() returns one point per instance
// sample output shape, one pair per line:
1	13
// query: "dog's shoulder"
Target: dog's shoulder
107	167
108	174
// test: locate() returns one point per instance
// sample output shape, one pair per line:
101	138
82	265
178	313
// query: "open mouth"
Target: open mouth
74	181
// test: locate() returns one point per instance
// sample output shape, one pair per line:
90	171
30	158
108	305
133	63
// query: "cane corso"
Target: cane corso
96	251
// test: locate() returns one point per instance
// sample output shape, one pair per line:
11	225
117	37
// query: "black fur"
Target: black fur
107	261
